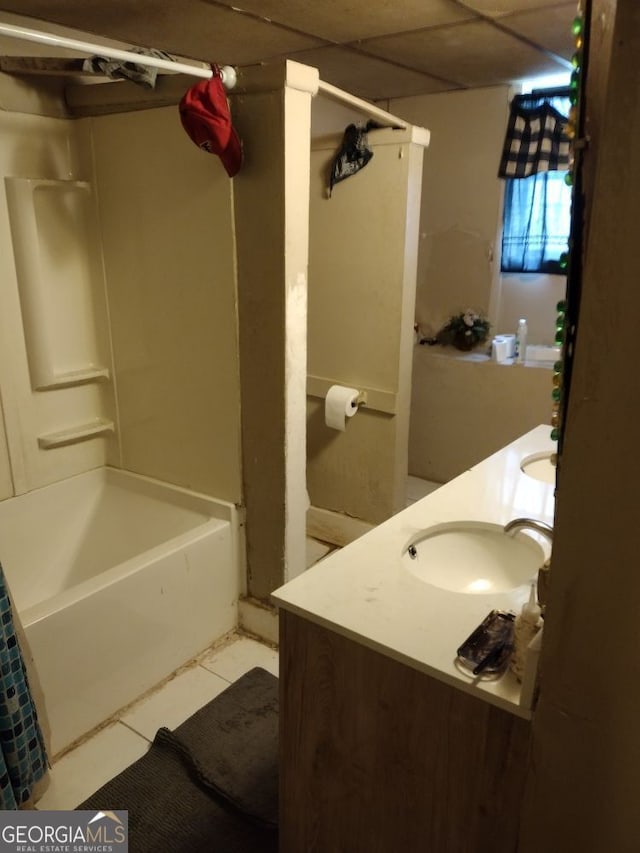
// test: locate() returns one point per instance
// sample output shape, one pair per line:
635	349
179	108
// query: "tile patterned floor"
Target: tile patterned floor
316	550
86	768
418	489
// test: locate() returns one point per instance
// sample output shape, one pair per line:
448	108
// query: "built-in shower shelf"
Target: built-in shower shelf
74	377
75	434
58	260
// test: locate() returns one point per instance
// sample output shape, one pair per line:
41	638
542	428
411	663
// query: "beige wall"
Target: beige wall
461	199
461	220
272	112
459	267
330	117
534	297
6	480
34	146
166	218
585	770
362	261
463	411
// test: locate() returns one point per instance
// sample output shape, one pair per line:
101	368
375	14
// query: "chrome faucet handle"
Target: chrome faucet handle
532	524
543	573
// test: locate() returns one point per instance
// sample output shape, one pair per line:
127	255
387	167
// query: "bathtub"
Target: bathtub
119	580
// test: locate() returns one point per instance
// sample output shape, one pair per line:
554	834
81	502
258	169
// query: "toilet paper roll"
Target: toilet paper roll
510	341
340	404
503	347
499	350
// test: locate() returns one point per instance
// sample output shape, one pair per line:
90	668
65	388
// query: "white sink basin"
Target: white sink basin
473	557
539	466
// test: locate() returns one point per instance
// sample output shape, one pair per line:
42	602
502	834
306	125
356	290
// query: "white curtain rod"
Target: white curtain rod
227	72
362	106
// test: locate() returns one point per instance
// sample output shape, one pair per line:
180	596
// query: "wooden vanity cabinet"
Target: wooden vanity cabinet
376	757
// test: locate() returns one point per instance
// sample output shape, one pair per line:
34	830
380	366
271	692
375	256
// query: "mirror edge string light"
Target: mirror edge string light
563	309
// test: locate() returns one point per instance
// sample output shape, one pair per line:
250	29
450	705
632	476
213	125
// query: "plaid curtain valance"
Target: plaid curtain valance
536	140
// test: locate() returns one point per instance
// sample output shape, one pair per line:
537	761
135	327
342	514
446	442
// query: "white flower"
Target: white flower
469	318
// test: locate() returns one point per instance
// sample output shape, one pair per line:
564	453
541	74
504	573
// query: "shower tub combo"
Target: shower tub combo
118	580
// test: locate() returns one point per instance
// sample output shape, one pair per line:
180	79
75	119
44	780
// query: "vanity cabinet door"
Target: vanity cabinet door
376	757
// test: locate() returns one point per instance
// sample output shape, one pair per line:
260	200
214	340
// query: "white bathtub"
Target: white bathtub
119	580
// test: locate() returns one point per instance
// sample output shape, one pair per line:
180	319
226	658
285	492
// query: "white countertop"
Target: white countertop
364	592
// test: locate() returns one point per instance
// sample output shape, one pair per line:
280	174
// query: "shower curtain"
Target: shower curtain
23	726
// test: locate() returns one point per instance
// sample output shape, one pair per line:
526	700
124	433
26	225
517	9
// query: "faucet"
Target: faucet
543	572
532	524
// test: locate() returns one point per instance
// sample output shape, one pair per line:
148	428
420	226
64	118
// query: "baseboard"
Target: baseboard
335	527
257	618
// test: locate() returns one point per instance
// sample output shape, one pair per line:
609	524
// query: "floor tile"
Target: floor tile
174	702
316	550
418	488
89	766
234	660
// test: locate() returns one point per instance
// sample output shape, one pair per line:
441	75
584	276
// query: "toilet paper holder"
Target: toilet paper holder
341	403
374	399
361	399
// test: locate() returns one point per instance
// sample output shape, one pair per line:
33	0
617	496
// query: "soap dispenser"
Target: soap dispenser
521	342
526	626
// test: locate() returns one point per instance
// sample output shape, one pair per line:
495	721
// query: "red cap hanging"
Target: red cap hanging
205	116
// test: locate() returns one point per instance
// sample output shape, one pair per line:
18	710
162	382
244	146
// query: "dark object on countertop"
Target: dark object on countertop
212	784
488	648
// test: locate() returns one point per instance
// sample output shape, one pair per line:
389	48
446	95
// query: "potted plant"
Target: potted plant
464	331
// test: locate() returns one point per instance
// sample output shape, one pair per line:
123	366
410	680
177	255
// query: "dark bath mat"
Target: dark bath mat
210	786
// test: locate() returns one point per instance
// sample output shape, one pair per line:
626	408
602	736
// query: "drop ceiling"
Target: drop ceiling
376	49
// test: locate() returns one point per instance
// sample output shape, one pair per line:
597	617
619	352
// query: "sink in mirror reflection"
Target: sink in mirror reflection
473	557
539	466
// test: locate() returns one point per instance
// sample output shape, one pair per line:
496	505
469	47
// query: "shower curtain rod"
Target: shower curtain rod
227	72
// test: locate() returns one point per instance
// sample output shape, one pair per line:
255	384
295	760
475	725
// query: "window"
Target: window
537	214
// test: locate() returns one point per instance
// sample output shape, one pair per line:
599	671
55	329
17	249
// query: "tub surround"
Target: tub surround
364	593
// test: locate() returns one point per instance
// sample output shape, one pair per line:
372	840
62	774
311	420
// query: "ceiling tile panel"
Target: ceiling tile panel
551	28
496	8
396	47
473	54
188	28
368	77
348	20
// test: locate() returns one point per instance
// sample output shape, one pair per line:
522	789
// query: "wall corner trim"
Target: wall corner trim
284	74
304	78
420	136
